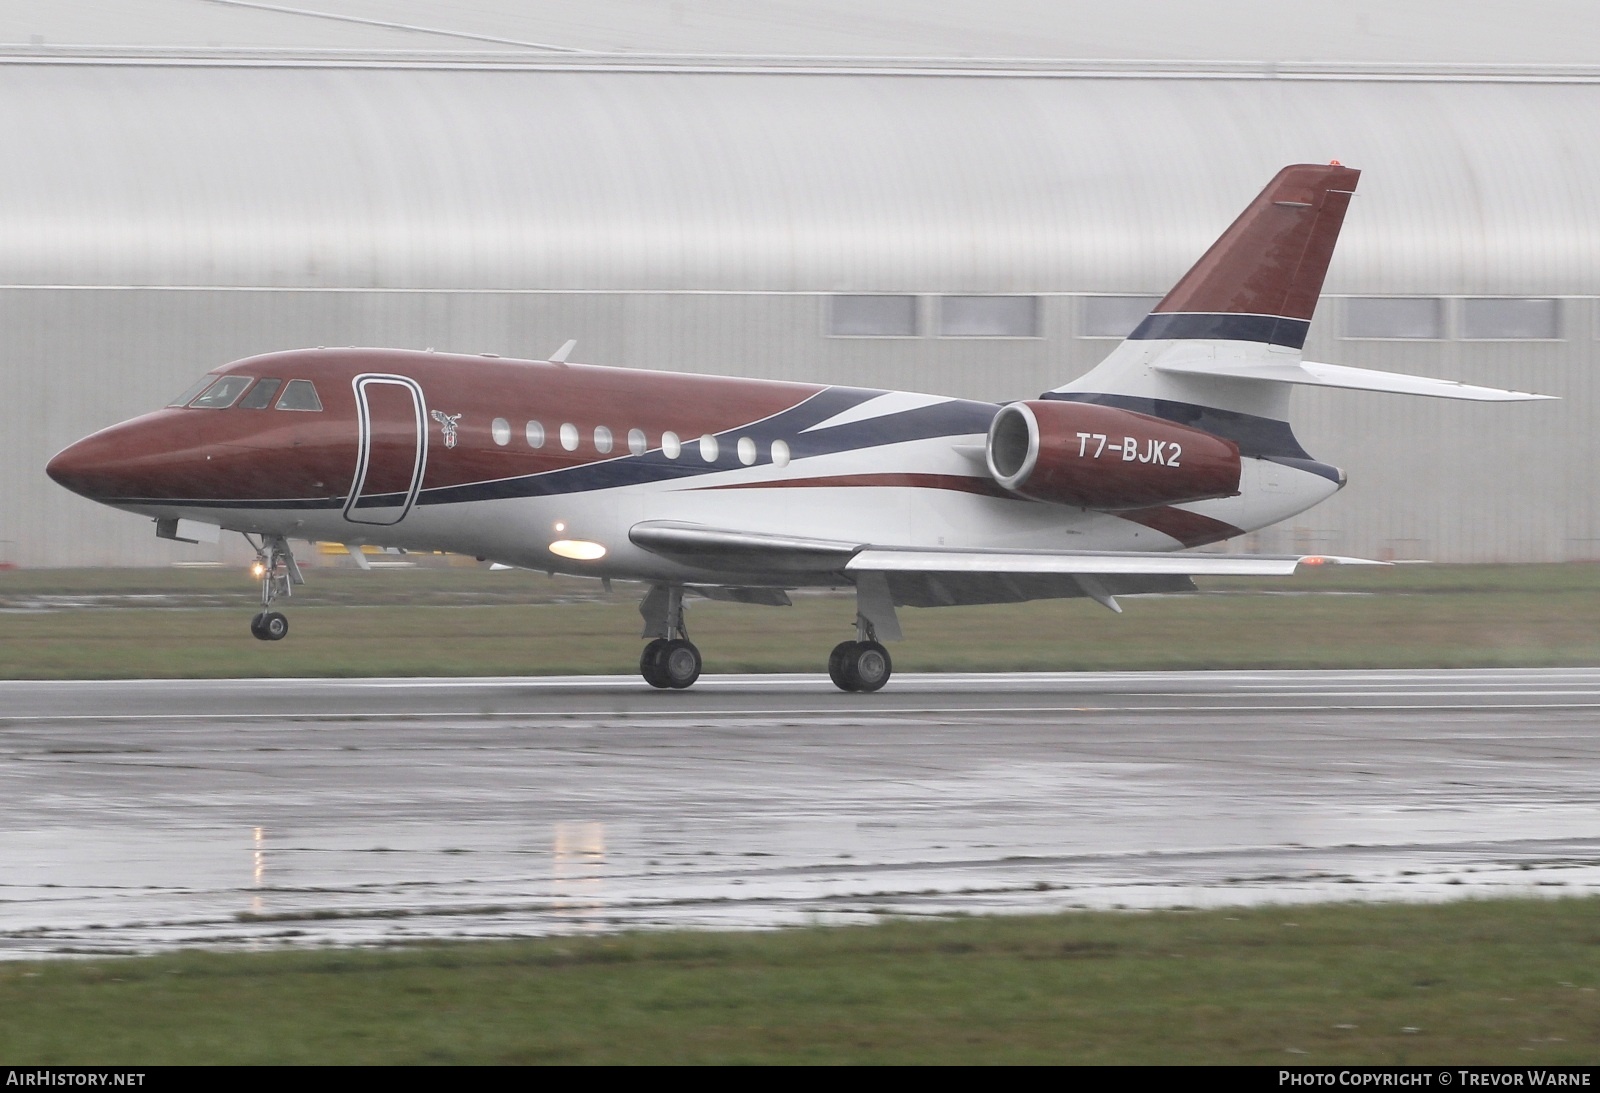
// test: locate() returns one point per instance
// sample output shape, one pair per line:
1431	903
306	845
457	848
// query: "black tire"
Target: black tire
839	665
257	630
650	664
680	664
870	666
274	626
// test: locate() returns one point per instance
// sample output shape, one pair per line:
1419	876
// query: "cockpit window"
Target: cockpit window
222	393
300	395
260	396
188	396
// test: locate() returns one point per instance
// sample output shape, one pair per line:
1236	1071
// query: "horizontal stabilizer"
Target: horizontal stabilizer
1337	375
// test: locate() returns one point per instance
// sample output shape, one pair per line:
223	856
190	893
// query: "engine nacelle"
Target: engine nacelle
1100	457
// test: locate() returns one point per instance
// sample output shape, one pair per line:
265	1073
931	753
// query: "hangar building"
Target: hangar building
972	205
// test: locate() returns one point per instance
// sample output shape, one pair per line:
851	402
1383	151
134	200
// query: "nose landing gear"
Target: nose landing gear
276	568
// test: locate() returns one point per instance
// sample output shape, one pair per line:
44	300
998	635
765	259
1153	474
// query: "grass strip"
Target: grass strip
1503	981
172	623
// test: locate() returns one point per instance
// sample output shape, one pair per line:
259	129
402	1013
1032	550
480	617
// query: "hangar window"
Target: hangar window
1498	318
299	395
873	316
602	439
260	396
989	317
636	441
1394	317
1114	316
535	434
188	396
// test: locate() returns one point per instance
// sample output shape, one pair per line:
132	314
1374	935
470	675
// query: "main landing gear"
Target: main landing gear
671	660
859	665
275	567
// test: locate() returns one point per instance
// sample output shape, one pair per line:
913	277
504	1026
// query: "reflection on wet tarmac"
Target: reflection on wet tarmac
392	815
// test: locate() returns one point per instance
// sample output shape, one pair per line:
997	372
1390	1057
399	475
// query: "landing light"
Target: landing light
258	570
579	550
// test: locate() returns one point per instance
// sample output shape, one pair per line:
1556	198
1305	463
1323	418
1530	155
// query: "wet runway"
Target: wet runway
151	814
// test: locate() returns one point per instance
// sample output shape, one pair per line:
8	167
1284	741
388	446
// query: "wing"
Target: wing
944	578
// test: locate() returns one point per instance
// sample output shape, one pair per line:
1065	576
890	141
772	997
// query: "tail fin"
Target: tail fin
1260	281
1229	334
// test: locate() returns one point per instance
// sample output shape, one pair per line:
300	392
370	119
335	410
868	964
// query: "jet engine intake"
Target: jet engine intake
1100	457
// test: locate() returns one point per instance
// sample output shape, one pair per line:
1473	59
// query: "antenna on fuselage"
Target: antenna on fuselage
560	355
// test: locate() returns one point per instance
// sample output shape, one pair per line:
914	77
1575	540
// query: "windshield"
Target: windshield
222	393
200	385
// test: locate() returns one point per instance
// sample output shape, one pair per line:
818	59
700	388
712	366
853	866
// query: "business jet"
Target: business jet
745	489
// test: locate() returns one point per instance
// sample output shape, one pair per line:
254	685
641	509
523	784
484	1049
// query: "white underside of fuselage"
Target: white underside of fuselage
518	531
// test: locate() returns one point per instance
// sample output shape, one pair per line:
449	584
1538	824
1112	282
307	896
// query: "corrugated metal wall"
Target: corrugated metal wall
159	218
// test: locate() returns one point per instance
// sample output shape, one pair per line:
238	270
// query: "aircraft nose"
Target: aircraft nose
87	467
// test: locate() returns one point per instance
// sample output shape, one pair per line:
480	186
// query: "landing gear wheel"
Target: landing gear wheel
274	627
839	666
859	666
650	663
870	666
256	629
680	664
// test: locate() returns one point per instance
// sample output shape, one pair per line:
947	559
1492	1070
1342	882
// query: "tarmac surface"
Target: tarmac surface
146	815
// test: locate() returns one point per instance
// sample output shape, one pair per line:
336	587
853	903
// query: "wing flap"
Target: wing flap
1095	563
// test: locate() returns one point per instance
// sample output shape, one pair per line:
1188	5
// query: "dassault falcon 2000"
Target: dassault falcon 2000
745	489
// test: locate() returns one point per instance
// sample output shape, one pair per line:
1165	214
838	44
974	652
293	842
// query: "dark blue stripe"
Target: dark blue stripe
957	418
1257	437
1270	329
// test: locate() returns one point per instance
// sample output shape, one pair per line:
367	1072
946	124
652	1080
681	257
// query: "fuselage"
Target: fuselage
547	465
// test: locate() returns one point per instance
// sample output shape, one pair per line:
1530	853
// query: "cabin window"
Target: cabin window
188	396
708	448
260	396
223	393
300	395
602	439
747	450
670	445
569	436
500	430
535	434
780	453
636	442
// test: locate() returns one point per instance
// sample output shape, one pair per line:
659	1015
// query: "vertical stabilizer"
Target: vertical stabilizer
1260	281
1248	300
